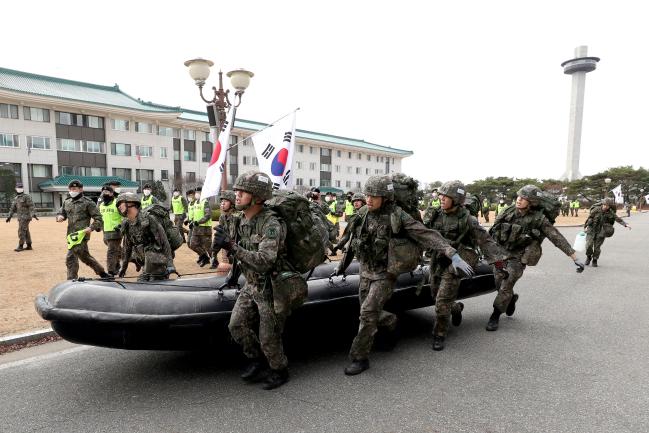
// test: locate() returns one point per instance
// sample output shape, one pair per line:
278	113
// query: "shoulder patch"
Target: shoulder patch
271	232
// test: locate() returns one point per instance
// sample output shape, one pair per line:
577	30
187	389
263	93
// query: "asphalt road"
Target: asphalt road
572	359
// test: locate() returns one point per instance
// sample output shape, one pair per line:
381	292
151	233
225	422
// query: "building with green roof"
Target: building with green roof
52	127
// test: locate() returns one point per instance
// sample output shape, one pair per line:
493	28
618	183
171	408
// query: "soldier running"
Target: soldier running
381	228
598	227
520	229
464	233
78	210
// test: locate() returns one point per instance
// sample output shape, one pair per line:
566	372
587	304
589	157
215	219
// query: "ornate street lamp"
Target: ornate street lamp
199	70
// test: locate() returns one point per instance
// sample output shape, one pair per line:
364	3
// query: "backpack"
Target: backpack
550	206
472	204
405	194
161	215
306	235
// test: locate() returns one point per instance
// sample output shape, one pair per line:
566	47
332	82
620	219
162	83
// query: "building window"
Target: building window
299	181
369	157
348	184
82	171
312	166
124	173
144	128
41	170
300	148
163	152
190	176
42	199
93	147
338	153
325	167
311	149
143	175
358	170
377	158
298	164
144	151
166	131
36	114
189	155
358	184
95	122
337	168
392	161
66	170
234	139
164	174
120	149
325	152
337	184
9	140
189	134
8	111
94	171
349	154
325	182
311	182
42	143
72	119
367	171
358	156
349	170
206	151
377	171
119	124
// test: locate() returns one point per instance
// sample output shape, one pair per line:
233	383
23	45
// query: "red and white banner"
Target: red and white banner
275	147
212	184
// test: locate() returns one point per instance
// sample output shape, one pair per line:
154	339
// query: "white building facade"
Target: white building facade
52	128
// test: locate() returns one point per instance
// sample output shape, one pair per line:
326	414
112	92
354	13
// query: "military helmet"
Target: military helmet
455	190
256	183
228	195
380	186
358	196
531	193
75	183
128	197
609	201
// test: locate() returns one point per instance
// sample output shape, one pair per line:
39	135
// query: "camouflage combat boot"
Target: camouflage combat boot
357	366
255	371
19	248
492	325
29	247
275	379
512	305
587	260
594	263
438	342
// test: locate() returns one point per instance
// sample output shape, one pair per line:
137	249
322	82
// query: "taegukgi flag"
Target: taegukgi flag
214	172
275	147
646	198
617	192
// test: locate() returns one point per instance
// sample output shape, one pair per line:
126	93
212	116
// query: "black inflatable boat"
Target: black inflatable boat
192	314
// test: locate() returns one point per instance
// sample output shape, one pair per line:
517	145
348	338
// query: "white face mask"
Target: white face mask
118	190
176	194
147	192
73	194
197	196
19	190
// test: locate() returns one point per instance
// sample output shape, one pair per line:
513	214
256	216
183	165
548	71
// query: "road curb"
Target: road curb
26	337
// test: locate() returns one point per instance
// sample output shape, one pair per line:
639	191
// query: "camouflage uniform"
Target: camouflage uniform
372	232
201	240
464	233
521	234
112	238
145	238
78	211
598	225
260	242
23	207
225	220
347	233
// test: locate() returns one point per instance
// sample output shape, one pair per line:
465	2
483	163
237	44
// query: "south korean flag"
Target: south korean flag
275	147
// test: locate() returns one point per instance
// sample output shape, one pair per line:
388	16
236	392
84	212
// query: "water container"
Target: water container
580	242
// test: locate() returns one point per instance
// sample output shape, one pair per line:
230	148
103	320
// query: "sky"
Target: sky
473	88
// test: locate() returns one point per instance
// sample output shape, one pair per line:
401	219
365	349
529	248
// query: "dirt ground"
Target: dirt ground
24	275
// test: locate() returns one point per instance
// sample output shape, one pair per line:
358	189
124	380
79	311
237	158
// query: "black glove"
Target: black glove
191	225
333	251
185	222
8	219
222	239
36	218
122	270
